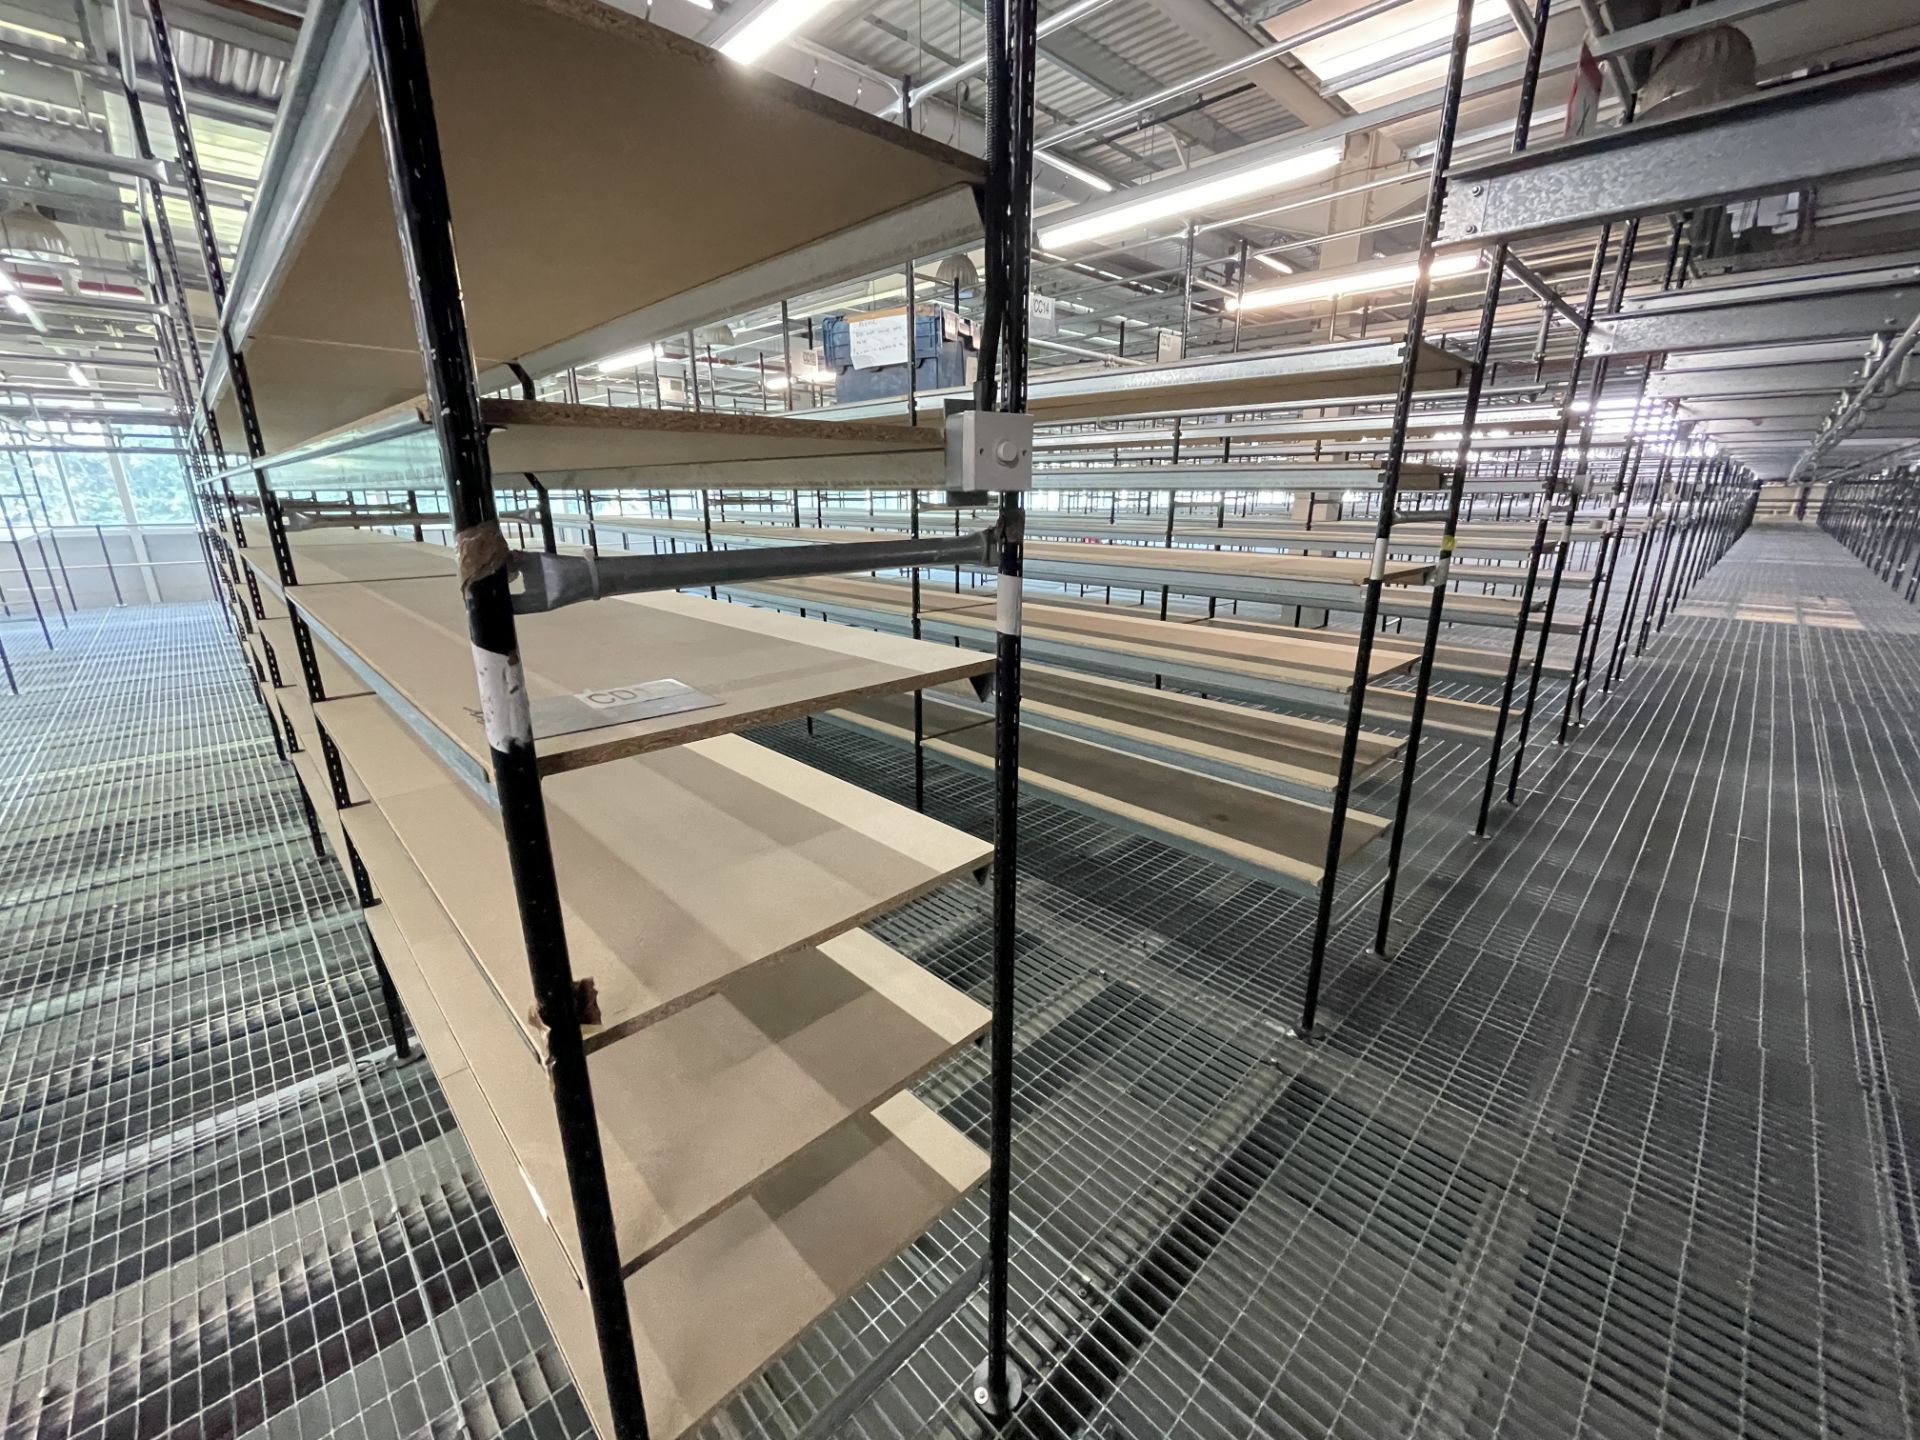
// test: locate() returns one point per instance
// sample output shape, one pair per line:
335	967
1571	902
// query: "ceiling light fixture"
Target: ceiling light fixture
1075	172
768	26
78	376
1274	262
1430	29
19	306
1355	282
1199	193
957	271
626	360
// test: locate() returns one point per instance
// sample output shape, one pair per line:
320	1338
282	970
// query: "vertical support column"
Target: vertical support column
1389	501
1610	549
1450	528
1614	496
136	537
1549	493
236	361
26	576
1173	509
1008	211
1643	546
411	143
1669	523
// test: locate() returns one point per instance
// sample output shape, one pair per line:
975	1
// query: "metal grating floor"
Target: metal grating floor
1615	1145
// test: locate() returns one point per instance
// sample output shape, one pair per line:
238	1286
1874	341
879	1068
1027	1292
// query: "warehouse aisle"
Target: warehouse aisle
1616	1145
1653	1053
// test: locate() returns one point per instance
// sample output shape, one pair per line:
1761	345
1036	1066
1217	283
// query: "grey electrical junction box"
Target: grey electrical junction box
989	450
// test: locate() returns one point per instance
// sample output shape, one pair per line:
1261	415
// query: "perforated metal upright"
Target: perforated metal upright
1389	499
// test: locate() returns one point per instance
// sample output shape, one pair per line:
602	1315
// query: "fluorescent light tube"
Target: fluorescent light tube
1274	262
1429	30
625	360
1355	282
1198	194
775	22
1077	172
19	305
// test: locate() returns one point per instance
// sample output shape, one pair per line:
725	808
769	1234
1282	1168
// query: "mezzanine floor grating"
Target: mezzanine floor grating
1615	1145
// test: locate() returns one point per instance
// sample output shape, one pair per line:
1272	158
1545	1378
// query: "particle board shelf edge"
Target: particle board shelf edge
1217	382
735	1087
786	185
1218	819
726	1302
1469	718
764	857
1319	582
570	444
1309	746
361	557
1252	474
740	666
311	773
1148	659
336	677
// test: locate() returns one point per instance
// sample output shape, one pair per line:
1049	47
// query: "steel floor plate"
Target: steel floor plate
1614	1145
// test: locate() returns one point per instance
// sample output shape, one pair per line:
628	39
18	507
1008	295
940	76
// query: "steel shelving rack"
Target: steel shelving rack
242	517
1785	136
1876	515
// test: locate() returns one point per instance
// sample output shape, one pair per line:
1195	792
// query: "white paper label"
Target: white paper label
1379	571
878	340
613	705
1006	607
1043	319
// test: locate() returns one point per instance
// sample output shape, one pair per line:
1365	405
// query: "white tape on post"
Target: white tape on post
1006	606
1379	571
503	700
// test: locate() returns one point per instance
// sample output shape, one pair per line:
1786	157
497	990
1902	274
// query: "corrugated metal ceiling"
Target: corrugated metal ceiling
1119	52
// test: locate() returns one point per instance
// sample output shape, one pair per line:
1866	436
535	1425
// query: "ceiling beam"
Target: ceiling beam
1203	22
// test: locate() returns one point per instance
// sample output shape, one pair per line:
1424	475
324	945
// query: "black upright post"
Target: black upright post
1642	548
26	576
1002	384
1389	502
202	213
1610	550
412	145
1669	522
913	625
1450	528
1563	543
1627	244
